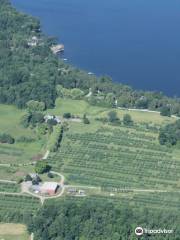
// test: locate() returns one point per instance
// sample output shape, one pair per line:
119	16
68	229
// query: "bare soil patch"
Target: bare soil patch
12	229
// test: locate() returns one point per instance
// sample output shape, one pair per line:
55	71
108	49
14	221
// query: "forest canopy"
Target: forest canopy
101	220
170	134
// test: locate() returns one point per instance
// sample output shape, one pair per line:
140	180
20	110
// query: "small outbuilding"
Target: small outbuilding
81	192
72	190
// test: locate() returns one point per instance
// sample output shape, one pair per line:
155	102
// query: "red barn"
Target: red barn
49	188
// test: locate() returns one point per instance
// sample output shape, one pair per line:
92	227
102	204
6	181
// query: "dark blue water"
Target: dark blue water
136	42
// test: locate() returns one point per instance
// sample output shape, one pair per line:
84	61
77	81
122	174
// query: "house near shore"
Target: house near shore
33	41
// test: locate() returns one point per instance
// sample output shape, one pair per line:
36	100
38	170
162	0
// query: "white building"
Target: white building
33	41
52	117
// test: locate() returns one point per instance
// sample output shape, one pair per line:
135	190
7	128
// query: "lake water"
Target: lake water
136	42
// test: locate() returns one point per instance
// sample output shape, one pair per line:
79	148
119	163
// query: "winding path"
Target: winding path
46	155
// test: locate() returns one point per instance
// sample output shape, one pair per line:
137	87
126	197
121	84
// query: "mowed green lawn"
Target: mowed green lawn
149	117
19	152
79	107
10	231
10	119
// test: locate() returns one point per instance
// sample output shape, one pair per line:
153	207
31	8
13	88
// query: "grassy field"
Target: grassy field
79	107
19	152
10	231
148	117
13	173
10	119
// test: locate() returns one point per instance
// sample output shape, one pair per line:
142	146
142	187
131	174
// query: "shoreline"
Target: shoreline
125	95
104	73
